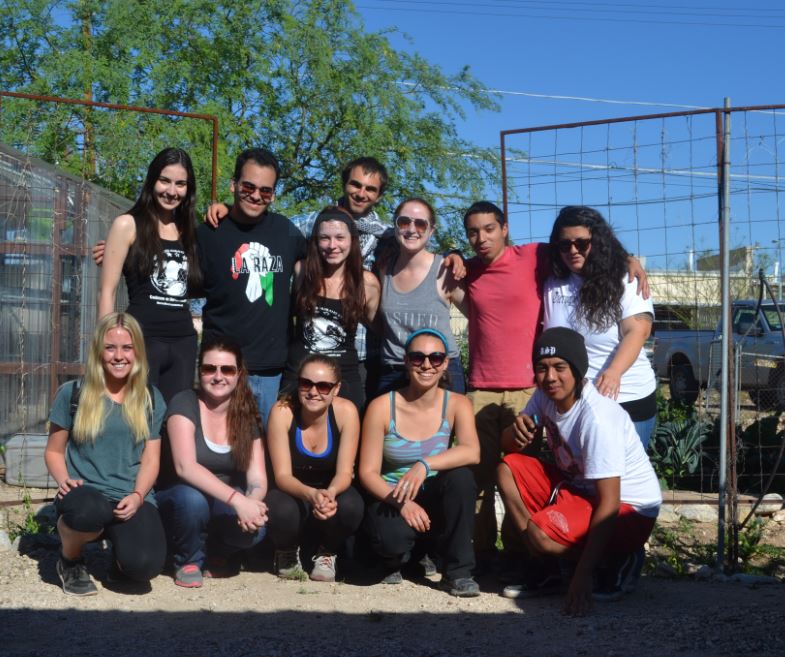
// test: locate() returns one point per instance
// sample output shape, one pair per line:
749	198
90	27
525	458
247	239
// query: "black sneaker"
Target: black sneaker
394	577
461	587
75	578
428	567
618	577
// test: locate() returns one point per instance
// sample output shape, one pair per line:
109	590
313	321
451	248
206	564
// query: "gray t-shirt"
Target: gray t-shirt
404	312
112	461
221	464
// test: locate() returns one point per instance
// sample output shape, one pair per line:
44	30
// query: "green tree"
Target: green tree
303	78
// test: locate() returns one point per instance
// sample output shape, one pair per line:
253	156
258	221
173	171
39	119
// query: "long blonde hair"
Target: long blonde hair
137	404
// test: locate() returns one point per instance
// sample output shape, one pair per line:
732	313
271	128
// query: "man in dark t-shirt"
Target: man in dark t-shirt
247	264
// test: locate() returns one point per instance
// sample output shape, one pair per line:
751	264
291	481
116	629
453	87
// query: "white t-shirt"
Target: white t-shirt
560	299
596	439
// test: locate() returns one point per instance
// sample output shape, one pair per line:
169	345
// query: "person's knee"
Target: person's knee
459	483
85	509
389	534
350	508
539	543
141	565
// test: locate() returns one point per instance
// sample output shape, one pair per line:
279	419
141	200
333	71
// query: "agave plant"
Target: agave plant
676	447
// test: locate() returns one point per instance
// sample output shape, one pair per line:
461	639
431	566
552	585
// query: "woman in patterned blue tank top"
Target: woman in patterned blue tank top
417	473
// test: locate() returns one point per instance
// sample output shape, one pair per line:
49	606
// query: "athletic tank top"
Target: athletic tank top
404	312
399	454
159	302
315	470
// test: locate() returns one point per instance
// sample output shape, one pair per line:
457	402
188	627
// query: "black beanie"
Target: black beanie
564	343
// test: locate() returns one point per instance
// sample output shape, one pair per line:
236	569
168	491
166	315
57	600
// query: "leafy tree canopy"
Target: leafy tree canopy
302	78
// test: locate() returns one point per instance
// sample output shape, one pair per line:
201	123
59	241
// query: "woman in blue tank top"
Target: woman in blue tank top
312	436
153	246
417	291
417	473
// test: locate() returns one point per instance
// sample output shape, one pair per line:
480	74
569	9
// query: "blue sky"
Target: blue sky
691	54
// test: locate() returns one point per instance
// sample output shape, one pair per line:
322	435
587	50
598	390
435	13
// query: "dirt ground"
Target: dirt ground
255	614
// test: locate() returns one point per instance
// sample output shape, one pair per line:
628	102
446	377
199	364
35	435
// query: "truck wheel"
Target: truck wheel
683	385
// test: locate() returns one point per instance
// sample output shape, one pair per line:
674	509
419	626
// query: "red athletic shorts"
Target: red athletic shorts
566	518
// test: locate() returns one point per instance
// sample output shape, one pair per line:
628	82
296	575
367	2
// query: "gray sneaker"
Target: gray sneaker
286	564
189	576
461	587
75	578
324	567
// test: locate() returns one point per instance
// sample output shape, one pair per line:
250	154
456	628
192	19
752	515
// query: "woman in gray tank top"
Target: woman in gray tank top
417	291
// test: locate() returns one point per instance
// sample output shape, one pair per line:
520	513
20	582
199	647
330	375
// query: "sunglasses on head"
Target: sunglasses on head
421	225
248	189
435	358
226	370
322	387
581	245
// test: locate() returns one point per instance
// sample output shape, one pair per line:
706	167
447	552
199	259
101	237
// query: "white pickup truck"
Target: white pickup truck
691	359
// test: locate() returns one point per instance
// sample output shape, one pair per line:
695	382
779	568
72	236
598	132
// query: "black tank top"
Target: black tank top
315	470
324	333
159	302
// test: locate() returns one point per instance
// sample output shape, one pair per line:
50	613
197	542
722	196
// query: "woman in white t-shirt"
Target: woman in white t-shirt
590	292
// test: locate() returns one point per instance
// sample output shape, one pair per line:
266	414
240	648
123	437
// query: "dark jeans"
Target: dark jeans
392	377
139	543
193	518
172	364
291	520
448	499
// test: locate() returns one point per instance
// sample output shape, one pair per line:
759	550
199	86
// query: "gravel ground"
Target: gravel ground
254	613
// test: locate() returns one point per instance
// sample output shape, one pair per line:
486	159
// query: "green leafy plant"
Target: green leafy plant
676	448
30	525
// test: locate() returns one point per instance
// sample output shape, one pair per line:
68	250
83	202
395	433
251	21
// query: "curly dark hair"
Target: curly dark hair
604	271
243	421
147	248
314	270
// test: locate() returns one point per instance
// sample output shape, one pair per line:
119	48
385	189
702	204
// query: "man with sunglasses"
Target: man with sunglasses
247	263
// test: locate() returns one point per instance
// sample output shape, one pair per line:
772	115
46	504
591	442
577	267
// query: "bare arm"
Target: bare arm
349	425
373	294
636	270
54	457
635	330
256	474
603	521
216	213
121	236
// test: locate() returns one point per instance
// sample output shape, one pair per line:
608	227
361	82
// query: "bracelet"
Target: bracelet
427	467
141	497
229	501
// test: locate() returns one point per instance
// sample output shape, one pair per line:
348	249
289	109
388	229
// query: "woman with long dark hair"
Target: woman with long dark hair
312	438
213	482
590	292
333	294
104	453
153	246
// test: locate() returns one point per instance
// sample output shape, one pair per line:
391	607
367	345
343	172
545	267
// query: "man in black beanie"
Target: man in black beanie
598	504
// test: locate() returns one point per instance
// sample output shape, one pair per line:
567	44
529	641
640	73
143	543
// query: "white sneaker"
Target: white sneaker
324	567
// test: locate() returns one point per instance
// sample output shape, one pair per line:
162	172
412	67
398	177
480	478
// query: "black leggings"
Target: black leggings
290	519
448	499
139	543
172	364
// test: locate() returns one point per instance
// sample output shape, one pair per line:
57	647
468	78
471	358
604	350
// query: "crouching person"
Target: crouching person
597	506
103	451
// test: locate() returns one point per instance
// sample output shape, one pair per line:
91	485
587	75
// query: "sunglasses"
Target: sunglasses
226	370
322	387
249	189
435	358
421	225
581	245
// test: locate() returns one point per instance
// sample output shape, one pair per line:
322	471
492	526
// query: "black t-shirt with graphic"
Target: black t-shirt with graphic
159	301
247	271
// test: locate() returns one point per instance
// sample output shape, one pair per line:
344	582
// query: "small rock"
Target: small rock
779	516
771	503
753	581
5	542
15	544
691	569
704	573
664	569
668	514
698	512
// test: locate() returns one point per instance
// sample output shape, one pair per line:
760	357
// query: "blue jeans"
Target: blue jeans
645	429
191	518
265	389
